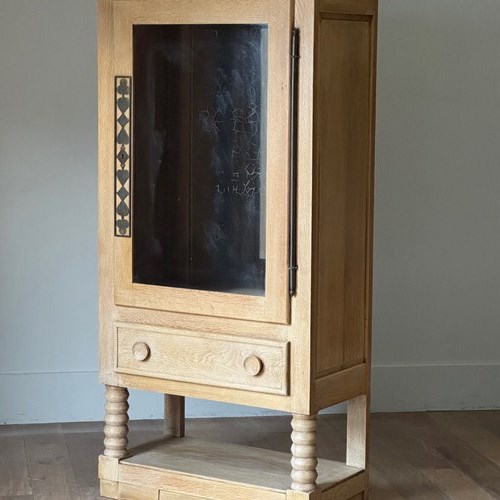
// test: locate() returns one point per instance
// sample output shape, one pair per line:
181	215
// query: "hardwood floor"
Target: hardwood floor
450	455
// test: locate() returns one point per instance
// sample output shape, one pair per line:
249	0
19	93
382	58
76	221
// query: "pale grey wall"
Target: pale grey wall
437	243
437	252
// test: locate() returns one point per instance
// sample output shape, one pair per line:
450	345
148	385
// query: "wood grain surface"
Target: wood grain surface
439	455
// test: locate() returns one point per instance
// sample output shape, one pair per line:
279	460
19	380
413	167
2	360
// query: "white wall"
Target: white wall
437	245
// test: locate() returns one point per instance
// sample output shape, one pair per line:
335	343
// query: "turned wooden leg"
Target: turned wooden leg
174	415
116	428
304	455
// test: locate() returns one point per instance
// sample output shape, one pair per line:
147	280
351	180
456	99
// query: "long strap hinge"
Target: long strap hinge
292	234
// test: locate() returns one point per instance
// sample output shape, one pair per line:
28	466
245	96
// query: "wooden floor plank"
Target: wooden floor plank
276	431
381	487
14	475
439	455
83	447
469	427
248	432
90	493
49	465
405	444
207	428
23	497
455	485
460	454
332	432
404	478
490	420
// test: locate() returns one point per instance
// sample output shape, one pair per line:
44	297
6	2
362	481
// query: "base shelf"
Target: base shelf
192	468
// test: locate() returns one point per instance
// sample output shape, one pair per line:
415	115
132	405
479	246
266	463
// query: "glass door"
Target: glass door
201	220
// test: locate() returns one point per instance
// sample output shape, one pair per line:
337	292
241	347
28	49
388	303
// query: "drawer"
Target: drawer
202	358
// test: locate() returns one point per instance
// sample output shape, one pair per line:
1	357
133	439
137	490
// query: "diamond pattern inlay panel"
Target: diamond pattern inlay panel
123	94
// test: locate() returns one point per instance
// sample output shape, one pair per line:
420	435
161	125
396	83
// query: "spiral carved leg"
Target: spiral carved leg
116	428
304	456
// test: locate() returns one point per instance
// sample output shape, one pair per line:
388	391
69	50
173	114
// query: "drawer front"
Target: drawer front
201	358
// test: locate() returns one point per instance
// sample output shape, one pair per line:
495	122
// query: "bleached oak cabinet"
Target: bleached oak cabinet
235	234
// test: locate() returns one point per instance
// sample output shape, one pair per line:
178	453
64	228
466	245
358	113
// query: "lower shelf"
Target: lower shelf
178	468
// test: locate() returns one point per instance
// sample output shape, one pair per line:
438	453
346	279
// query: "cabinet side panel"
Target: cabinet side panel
343	131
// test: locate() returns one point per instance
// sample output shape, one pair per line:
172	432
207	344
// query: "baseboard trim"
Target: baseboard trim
471	386
65	396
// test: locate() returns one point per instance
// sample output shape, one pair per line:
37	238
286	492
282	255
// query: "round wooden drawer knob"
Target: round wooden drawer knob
253	365
141	351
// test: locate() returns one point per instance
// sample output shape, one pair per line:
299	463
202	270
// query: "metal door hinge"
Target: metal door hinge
292	234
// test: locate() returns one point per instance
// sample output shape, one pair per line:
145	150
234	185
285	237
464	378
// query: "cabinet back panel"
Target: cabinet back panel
342	183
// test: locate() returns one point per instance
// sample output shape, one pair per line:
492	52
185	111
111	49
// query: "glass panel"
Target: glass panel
200	99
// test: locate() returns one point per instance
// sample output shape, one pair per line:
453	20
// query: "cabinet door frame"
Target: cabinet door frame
274	306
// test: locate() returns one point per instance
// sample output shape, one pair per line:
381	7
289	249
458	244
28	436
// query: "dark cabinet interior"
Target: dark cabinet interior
199	154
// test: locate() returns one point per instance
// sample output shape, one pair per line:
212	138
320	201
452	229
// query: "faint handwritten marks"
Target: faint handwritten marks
214	235
237	104
229	117
244	181
246	121
211	120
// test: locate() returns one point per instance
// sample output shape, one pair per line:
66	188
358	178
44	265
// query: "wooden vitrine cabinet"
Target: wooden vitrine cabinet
235	234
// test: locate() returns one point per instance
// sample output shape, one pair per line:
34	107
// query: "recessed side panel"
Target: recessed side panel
343	155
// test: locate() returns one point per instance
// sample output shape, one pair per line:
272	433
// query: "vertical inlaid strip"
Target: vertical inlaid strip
123	117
